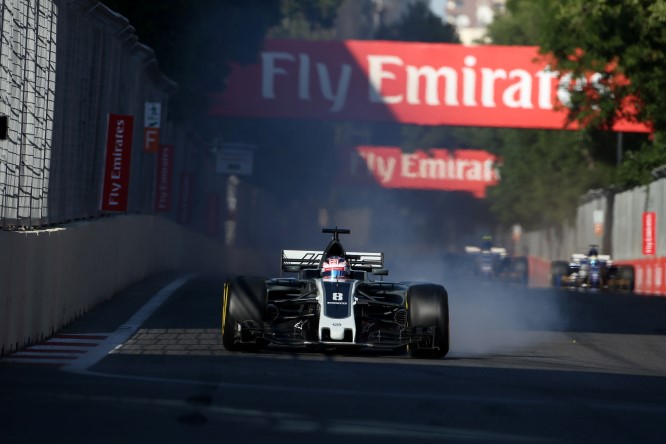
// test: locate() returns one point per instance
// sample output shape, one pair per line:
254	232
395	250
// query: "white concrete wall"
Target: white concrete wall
629	208
50	277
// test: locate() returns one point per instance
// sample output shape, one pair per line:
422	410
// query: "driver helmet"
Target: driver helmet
335	267
593	252
486	242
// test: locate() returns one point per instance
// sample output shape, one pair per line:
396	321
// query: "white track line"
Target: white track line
125	331
58	350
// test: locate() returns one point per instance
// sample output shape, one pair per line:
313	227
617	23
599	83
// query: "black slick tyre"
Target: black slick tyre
244	299
558	269
428	306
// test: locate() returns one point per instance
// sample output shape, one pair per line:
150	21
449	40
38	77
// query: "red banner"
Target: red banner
649	232
115	188
406	82
163	178
151	139
436	169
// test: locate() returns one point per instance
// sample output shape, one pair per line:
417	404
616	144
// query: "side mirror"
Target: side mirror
380	271
291	268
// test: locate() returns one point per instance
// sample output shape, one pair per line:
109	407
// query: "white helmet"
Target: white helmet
335	267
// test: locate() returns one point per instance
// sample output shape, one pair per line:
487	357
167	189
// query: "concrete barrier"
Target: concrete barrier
50	277
650	275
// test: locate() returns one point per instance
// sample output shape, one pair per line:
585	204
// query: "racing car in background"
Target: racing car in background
592	271
336	300
495	264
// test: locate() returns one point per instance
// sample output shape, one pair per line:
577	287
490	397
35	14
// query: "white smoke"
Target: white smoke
486	317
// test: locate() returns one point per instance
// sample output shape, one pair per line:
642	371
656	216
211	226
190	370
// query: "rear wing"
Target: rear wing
296	260
494	250
577	257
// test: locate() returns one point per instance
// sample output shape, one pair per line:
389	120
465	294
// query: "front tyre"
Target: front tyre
428	307
244	300
558	270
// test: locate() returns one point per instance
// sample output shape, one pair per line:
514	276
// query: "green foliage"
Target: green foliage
307	19
543	173
317	13
637	168
630	33
418	24
625	38
521	23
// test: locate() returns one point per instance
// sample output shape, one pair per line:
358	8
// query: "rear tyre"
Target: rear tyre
428	306
244	300
557	270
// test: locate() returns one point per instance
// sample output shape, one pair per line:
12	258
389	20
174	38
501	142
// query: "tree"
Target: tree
543	175
612	37
521	23
307	19
622	40
543	171
418	24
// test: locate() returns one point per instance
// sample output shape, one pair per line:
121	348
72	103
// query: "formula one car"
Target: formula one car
494	264
592	271
335	302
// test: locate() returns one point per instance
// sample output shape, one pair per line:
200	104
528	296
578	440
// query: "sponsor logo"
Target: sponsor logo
649	235
485	85
163	178
115	190
464	170
338	299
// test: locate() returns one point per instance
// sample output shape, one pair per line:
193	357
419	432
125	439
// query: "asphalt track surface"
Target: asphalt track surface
526	365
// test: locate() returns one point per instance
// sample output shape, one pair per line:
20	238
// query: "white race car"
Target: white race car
592	271
335	302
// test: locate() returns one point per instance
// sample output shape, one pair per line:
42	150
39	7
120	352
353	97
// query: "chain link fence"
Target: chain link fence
27	96
65	65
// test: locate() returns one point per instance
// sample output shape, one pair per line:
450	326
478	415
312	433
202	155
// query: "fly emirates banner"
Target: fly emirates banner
414	83
434	169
